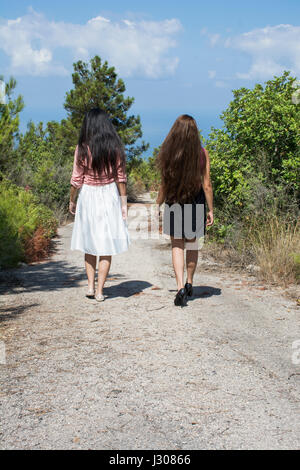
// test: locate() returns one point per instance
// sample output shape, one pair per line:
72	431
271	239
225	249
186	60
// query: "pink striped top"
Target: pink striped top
84	174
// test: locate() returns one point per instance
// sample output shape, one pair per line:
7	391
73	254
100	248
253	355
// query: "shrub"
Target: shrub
259	139
23	221
276	246
134	189
42	165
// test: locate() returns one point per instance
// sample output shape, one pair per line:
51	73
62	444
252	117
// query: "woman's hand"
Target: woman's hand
72	204
72	207
123	197
210	219
124	211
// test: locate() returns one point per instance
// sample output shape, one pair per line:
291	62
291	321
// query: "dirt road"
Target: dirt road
136	372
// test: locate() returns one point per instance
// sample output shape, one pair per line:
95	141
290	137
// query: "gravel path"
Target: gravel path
136	372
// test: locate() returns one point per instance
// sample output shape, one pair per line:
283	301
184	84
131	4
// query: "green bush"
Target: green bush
259	142
145	173
21	216
43	165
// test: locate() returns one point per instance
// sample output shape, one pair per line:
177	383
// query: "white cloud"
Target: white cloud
135	49
272	49
128	23
99	18
214	38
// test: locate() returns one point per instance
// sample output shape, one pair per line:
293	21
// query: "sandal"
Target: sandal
90	294
99	297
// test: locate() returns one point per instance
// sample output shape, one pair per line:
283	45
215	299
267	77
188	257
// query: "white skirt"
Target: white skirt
99	228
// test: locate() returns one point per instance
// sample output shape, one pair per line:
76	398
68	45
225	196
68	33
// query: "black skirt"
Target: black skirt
186	220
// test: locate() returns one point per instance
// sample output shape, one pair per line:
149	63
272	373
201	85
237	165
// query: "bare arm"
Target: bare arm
76	181
208	190
72	205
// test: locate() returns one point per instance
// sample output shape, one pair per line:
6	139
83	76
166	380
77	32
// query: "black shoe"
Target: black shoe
189	289
180	299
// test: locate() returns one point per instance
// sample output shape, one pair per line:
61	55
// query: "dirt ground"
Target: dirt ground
136	372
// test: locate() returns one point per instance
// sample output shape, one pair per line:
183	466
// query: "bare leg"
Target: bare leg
191	260
90	267
178	260
103	270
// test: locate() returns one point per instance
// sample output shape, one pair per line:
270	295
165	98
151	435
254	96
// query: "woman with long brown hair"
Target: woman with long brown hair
185	185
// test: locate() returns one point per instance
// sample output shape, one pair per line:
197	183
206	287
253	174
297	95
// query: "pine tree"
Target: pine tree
99	86
9	122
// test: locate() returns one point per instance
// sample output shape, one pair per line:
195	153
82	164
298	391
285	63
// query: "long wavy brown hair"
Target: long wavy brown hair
181	161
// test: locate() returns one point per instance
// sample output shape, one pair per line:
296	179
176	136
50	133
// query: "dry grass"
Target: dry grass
134	190
276	246
37	247
273	245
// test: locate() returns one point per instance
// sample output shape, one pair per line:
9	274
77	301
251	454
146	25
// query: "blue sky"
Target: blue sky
175	57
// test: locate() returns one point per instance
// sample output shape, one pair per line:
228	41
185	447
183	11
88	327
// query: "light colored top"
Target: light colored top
83	173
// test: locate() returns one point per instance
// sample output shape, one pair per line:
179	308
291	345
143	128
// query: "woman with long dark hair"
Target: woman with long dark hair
100	227
185	184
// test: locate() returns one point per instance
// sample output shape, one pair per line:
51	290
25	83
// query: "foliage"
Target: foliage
41	165
99	86
146	173
41	159
21	216
259	139
44	157
255	167
9	122
276	246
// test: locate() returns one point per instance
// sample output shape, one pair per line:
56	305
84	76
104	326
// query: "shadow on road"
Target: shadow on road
47	276
12	312
203	291
126	289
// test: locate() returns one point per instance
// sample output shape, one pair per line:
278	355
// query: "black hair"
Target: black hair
98	133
